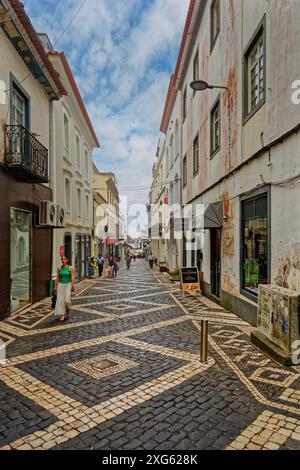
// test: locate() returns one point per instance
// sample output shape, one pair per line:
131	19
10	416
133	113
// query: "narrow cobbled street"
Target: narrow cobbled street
124	373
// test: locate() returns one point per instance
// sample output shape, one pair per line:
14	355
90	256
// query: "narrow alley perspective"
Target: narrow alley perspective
124	373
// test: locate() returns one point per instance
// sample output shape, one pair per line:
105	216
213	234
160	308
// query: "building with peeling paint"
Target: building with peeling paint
240	146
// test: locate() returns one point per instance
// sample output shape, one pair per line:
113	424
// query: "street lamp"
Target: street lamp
201	85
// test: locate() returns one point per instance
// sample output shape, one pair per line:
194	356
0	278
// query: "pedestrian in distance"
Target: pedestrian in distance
128	262
116	266
63	287
111	266
100	263
151	261
91	268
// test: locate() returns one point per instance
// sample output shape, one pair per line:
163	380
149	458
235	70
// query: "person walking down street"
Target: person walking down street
111	266
91	268
128	262
100	263
134	258
116	266
64	286
151	261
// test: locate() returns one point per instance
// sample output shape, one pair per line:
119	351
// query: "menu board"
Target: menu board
190	281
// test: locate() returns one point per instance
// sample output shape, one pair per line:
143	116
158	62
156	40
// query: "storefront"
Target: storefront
83	249
255	243
25	248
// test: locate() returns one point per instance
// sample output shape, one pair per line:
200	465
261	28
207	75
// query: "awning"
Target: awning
213	216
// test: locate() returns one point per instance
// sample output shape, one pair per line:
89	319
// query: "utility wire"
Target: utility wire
56	41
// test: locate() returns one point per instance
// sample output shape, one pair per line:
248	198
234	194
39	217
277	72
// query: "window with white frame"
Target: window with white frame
196	69
184	104
255	73
196	156
215	129
86	161
79	204
87	204
167	162
67	136
215	21
172	151
184	171
68	195
177	150
78	159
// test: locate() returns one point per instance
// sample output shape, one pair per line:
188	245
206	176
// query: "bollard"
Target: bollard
204	342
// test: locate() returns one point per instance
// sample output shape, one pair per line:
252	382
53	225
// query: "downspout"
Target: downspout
52	172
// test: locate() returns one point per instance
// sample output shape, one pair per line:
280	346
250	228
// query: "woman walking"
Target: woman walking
64	285
111	266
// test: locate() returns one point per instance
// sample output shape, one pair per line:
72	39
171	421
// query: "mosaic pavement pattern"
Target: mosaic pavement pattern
124	373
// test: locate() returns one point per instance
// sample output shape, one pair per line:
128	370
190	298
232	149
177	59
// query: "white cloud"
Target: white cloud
112	57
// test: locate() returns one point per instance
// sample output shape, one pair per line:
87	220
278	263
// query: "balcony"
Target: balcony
25	156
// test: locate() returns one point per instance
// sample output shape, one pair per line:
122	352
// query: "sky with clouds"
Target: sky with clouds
122	53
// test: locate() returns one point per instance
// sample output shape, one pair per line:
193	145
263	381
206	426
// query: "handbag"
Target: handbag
54	300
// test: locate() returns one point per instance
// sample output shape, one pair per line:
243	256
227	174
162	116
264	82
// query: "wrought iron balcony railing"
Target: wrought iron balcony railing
25	155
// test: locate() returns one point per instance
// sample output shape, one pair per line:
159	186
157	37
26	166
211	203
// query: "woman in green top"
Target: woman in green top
64	286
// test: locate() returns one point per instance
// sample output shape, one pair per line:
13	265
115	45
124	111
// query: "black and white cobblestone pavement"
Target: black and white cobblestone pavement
124	373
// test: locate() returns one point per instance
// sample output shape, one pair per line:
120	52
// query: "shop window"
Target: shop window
255	243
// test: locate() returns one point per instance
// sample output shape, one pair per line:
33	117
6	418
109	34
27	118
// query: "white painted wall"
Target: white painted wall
65	166
11	63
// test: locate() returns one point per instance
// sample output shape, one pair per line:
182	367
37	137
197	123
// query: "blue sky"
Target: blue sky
122	53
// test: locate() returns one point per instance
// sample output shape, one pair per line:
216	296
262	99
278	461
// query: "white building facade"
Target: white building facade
72	174
240	147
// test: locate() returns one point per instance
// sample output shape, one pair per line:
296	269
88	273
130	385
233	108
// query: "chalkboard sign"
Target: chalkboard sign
190	281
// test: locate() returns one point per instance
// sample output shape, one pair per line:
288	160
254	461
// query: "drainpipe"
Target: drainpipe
52	172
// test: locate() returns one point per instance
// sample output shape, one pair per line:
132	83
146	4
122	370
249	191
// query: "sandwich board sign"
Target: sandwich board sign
190	280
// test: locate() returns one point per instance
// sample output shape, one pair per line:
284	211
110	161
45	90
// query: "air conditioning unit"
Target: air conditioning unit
48	214
61	217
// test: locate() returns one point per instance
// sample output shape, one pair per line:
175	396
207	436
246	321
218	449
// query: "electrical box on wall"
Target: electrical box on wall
278	322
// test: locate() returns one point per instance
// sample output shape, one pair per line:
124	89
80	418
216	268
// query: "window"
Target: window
18	109
176	139
79	203
255	73
20	105
215	22
172	151
87	205
184	172
86	159
196	69
215	129
255	237
167	162
196	156
78	152
184	104
66	136
68	195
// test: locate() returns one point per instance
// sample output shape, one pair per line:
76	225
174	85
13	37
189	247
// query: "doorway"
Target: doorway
215	236
20	259
68	248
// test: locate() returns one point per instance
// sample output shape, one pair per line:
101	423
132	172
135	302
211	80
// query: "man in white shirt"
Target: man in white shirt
100	262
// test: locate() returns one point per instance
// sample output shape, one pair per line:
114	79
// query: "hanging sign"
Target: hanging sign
190	281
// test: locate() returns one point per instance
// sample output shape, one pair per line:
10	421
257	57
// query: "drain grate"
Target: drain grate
103	366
